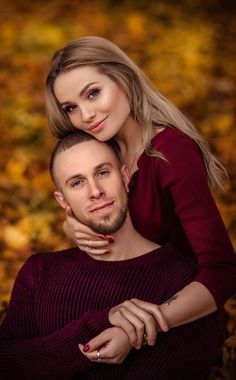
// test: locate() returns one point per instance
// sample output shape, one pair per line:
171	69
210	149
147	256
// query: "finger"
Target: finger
143	322
68	211
93	244
99	340
77	226
92	356
149	322
154	310
96	252
129	322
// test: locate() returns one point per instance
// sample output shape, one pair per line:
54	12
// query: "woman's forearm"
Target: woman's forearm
194	301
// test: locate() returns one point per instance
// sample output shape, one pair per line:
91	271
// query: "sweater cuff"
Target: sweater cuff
80	332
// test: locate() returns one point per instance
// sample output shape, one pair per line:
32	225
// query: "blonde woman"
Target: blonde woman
94	86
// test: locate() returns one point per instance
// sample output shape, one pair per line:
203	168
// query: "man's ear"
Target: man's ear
126	176
60	199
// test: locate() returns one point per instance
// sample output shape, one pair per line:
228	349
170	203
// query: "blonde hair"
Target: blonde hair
148	106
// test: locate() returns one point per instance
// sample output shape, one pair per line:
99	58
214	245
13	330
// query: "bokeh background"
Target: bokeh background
188	49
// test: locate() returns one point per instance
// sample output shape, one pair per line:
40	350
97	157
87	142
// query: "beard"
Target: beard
108	224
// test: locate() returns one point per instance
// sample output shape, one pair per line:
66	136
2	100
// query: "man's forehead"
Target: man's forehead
85	157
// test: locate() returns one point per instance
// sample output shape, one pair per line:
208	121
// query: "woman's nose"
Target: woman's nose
87	114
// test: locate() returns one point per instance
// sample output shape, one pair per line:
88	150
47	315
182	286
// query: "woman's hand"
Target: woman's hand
113	345
136	318
85	238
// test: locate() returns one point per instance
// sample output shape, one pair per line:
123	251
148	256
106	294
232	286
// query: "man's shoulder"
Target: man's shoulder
52	257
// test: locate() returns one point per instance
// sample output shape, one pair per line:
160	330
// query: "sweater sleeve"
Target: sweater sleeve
26	355
184	178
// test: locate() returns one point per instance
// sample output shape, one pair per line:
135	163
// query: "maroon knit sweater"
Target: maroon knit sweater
62	299
170	201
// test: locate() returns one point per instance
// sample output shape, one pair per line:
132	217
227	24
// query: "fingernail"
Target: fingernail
86	348
151	343
101	237
110	239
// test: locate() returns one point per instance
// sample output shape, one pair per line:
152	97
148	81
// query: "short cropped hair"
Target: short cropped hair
74	138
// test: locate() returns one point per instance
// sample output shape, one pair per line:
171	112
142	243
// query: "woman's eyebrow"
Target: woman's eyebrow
84	89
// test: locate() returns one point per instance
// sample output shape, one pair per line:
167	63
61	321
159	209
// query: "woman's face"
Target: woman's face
93	102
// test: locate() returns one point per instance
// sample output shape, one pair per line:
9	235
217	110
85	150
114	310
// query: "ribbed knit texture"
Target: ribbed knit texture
170	201
62	299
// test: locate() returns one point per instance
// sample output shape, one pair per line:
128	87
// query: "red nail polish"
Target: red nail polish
86	348
110	239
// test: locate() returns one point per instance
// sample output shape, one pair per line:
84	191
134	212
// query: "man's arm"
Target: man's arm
25	354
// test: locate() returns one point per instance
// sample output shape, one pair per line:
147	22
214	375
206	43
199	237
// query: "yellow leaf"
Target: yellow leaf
14	238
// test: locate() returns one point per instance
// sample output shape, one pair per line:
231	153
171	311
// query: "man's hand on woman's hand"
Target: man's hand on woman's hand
113	345
136	318
85	238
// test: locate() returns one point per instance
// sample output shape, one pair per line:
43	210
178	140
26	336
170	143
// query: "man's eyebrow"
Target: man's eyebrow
79	175
100	166
84	89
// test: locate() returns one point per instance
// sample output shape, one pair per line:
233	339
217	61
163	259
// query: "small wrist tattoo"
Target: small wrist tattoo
168	302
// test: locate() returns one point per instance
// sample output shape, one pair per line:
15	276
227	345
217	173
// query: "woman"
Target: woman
94	86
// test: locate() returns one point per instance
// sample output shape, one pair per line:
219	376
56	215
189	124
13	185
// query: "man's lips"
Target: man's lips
101	206
95	125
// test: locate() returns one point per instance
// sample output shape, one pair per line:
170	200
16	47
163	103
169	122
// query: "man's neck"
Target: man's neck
128	244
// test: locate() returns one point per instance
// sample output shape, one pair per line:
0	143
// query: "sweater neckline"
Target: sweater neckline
153	256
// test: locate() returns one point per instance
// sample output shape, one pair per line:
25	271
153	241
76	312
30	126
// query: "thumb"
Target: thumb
68	211
99	341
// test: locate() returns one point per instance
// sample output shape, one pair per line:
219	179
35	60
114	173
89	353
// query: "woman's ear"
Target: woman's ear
126	176
60	199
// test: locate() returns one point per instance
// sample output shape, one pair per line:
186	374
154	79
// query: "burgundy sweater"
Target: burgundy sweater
170	201
62	299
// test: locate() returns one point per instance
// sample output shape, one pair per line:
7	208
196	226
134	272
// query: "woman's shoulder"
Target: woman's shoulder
171	136
176	146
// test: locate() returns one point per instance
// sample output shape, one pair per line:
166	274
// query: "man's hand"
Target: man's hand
113	345
136	318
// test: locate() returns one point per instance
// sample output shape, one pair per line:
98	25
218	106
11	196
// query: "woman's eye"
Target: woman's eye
93	93
69	108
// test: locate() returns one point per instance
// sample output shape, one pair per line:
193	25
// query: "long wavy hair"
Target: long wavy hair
148	106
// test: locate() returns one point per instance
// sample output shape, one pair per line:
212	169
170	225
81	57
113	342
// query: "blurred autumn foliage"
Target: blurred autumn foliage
187	48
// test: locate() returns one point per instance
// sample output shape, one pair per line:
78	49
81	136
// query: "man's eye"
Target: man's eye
103	172
69	108
93	93
76	183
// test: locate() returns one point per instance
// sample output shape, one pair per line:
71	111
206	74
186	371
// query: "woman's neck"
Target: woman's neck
130	142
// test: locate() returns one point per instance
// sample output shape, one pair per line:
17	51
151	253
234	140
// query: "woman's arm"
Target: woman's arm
194	301
183	179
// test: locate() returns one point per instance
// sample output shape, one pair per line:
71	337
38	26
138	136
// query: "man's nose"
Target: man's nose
95	191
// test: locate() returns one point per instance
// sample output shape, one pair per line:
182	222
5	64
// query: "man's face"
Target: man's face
93	184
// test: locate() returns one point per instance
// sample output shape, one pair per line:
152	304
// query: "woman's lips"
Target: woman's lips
97	127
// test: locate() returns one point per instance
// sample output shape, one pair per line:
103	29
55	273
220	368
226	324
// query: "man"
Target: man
74	316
